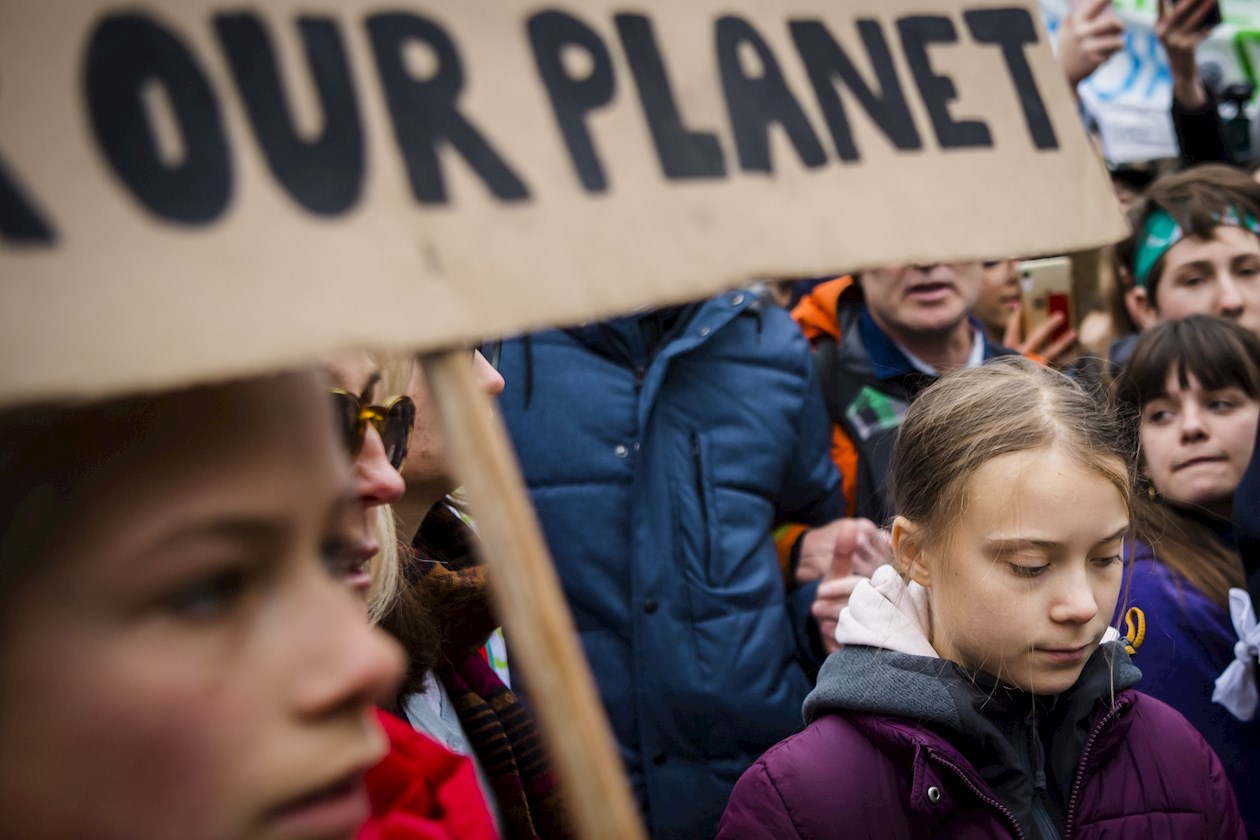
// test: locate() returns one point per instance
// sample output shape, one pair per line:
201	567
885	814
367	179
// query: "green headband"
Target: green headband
1161	232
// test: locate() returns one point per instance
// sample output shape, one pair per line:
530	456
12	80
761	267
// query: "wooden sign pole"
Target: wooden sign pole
527	592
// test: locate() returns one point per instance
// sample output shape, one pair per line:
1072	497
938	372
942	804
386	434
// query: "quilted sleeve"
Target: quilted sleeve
756	808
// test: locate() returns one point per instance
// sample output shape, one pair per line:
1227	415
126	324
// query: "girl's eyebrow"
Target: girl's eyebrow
1197	265
1118	535
245	531
1003	545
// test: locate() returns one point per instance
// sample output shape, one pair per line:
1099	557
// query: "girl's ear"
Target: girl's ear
1141	306
907	542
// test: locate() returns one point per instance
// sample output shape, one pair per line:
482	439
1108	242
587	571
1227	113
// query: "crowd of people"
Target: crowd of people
859	556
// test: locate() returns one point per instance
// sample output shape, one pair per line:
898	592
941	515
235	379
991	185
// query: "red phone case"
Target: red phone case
1060	302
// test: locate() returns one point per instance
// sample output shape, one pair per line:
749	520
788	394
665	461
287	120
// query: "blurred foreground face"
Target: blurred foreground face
183	663
921	301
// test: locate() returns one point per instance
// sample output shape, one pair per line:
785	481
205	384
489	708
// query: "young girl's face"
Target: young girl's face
1027	580
185	662
1217	276
1197	443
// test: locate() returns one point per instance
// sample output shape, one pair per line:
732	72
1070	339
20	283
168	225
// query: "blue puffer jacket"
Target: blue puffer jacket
658	479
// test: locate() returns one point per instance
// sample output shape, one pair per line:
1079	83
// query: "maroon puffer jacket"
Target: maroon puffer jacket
1144	773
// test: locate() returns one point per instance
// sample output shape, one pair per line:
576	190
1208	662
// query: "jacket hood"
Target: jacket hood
1024	746
816	311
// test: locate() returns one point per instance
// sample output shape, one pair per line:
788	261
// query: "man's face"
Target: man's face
921	301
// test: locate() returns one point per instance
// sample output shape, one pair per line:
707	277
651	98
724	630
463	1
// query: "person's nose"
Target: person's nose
1075	602
349	664
1229	302
489	379
1192	422
946	272
376	480
1012	272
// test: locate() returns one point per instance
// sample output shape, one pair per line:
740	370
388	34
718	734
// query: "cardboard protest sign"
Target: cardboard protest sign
193	189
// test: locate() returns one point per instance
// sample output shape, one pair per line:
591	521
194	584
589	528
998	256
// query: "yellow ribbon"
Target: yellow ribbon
1134	629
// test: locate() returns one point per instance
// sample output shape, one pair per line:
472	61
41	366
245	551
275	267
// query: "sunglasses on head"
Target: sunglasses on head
392	420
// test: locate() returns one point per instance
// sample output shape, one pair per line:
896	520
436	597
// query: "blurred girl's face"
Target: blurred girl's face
1197	443
186	662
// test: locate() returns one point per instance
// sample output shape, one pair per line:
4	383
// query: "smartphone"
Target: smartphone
1045	287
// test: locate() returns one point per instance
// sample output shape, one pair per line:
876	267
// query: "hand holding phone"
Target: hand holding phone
1048	320
1181	26
1201	15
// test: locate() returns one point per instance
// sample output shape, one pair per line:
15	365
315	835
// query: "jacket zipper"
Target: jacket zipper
698	462
1006	812
1080	766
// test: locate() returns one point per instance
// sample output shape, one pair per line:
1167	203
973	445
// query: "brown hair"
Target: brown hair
1196	198
1008	405
1220	354
44	452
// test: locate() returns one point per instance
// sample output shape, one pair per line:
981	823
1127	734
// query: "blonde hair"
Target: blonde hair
1008	405
385	567
388	578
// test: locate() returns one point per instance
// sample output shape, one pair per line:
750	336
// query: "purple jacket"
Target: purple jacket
1189	642
1143	773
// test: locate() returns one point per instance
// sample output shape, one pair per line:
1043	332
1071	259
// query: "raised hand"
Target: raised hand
1180	29
1038	345
1089	34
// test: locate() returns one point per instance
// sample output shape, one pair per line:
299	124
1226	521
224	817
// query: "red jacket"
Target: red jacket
422	790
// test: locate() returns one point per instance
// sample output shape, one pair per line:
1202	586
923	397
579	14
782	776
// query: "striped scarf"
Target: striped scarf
503	736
